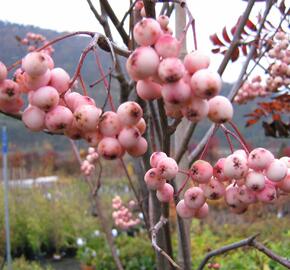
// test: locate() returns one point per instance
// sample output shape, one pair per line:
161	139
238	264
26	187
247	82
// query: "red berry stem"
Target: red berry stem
208	141
229	141
183	186
83	84
234	126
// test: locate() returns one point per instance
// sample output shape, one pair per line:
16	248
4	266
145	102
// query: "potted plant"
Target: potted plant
86	255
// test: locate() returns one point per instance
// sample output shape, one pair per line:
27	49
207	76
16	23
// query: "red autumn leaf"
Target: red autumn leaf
251	25
251	122
244	50
235	54
215	50
276	117
226	36
215	40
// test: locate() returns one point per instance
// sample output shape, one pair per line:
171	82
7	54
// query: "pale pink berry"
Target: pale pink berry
206	83
58	119
148	90
194	197
167	46
110	148
59	80
153	179
50	62
201	171
146	32
246	195
232	198
241	152
255	180
73	132
93	137
165	193
202	212
45	98
195	61
128	137
87	117
110	124
9	90
139	5
276	171
129	113
220	109
176	93
77	101
196	110
286	160
167	168
268	194
3	72
260	159
33	118
141	125
173	110
184	211
139	149
218	170
284	184
163	20
156	157
35	64
142	63
33	83
240	209
11	106
171	69
214	189
235	166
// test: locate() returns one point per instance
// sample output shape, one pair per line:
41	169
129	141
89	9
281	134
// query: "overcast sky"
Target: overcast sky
74	15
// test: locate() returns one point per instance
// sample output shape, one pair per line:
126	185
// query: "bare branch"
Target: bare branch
154	231
251	242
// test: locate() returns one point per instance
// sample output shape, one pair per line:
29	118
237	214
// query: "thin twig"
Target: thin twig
154	232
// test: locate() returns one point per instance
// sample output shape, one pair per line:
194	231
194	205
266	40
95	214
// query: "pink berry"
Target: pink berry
201	171
33	83
129	113
184	211
246	195
202	212
110	124
93	137
286	160
220	109
268	194
33	118
11	106
195	61
148	90
35	64
218	170
141	125
163	20
260	159
171	70
196	110
276	171
214	189
3	72
142	63
153	179
58	119
284	184
167	46
194	197
110	148
87	117
206	83
139	149
165	193
167	168
128	137
146	32
156	157
255	180
45	98
235	166
176	93
232	198
59	80
9	90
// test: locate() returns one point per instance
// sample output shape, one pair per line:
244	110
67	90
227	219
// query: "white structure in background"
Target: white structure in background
39	181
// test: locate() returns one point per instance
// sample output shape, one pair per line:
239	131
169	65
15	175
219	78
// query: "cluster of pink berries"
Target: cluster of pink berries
88	165
123	217
278	72
34	41
189	88
53	106
241	178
